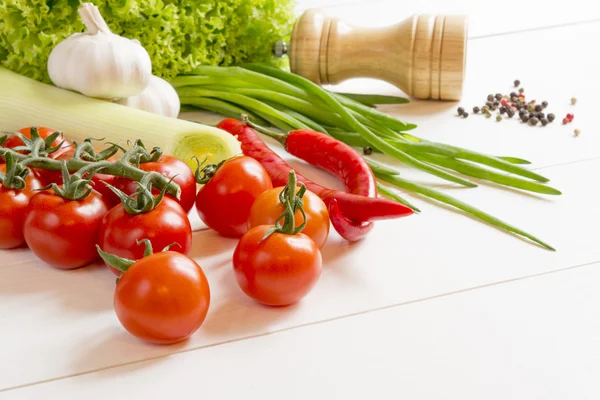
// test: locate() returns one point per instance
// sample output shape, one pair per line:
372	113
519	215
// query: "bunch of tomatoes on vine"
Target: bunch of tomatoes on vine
74	205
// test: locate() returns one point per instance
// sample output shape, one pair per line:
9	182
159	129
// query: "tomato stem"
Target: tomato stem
15	175
291	202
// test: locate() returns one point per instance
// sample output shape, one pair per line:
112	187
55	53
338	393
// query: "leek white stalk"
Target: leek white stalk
25	102
98	63
159	97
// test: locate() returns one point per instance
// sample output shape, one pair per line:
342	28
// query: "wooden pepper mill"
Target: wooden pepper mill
423	55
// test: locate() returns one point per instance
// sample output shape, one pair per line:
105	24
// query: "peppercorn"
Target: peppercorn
524	118
544	121
531	108
498	118
521	113
476	110
551	117
496	103
514	99
490	97
517	82
487	114
510	113
504	102
573	100
513	94
533	121
367	150
538	108
544	104
460	111
521	90
502	110
576	132
498	96
484	109
465	114
541	115
565	121
489	104
570	117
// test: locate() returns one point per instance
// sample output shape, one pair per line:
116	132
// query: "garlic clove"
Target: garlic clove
159	97
98	63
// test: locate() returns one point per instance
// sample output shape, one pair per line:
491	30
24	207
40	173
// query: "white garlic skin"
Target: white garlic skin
100	65
159	97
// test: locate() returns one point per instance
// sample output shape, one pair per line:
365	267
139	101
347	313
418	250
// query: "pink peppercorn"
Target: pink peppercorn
565	121
503	102
570	117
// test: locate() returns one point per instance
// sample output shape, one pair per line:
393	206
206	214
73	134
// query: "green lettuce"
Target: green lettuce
178	35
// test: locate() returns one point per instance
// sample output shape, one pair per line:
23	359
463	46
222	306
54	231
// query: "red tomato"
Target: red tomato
49	177
168	223
224	202
162	298
64	233
279	270
13	204
267	208
13	141
169	167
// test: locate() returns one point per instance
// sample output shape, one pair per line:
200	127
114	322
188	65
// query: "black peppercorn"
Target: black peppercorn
490	97
541	115
513	95
510	113
498	96
502	110
476	110
521	113
465	114
524	118
496	103
544	104
551	117
544	121
533	121
489	104
460	111
538	108
517	82
367	150
531	115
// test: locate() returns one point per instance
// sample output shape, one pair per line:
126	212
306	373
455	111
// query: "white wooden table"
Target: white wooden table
435	306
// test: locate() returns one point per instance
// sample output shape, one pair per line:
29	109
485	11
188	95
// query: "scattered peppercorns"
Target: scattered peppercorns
476	110
544	104
533	121
570	117
465	114
544	121
489	104
538	108
510	113
551	117
525	118
498	96
498	118
488	114
573	100
490	97
517	82
576	132
565	121
367	150
502	110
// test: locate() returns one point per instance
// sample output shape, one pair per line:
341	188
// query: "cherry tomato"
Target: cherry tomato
224	202
13	141
267	208
169	167
97	180
62	232
162	298
279	270
166	224
13	204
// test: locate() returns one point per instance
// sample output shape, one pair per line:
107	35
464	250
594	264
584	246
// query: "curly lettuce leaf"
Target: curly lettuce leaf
178	35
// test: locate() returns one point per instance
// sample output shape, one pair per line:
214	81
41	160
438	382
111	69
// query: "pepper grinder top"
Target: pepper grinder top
423	55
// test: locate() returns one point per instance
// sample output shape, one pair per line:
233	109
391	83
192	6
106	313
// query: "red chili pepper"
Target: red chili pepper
350	213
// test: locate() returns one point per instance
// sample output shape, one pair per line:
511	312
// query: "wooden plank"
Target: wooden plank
529	339
62	322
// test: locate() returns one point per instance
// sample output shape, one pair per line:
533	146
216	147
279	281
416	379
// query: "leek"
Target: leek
26	102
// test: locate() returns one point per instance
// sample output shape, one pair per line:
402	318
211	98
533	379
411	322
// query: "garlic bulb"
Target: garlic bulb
98	63
159	97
